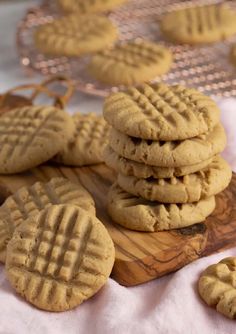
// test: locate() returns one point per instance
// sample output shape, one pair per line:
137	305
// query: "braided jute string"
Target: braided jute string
60	101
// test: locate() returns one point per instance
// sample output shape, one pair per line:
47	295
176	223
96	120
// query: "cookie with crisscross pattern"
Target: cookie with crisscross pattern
131	63
32	135
92	135
136	213
161	112
217	286
28	201
59	258
89	6
75	35
187	189
200	24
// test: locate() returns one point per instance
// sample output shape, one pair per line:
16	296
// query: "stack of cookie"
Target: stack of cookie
165	145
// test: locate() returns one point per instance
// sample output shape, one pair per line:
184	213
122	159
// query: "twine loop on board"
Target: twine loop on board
59	100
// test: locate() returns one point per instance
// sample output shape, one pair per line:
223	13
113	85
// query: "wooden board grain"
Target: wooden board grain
141	256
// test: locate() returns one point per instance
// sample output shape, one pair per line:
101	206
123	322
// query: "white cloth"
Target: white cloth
169	305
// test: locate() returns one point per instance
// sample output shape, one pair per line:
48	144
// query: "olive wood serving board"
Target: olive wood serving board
142	256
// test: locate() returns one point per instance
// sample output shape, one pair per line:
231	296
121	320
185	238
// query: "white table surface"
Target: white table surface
169	305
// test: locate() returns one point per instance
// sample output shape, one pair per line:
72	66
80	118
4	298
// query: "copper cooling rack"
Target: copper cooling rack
207	68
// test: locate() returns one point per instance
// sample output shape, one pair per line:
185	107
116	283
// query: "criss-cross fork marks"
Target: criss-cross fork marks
92	127
54	252
202	19
21	128
135	54
29	201
63	31
162	100
163	107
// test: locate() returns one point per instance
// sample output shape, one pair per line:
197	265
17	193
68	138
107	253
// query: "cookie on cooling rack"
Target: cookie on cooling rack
92	135
59	258
89	6
217	286
187	189
161	112
199	24
28	201
75	36
139	214
32	135
130	63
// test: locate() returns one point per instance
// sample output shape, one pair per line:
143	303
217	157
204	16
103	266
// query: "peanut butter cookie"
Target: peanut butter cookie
161	112
75	36
139	214
130	63
169	153
187	189
59	258
132	168
200	24
92	135
217	286
32	135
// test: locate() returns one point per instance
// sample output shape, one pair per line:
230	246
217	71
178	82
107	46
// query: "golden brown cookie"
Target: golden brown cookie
131	63
89	6
59	258
161	112
32	135
187	189
217	286
92	135
28	201
75	36
139	214
132	168
171	153
199	24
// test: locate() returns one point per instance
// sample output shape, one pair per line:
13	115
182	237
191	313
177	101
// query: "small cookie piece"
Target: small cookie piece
28	201
32	135
132	168
75	36
89	6
139	214
59	258
233	54
200	24
217	286
171	153
130	63
161	112
187	189
92	135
